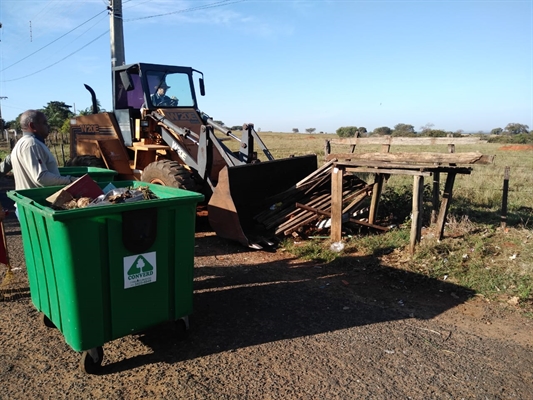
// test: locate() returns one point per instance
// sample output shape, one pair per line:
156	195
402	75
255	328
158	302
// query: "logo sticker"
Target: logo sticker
140	270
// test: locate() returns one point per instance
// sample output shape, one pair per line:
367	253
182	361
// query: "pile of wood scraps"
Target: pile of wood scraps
306	207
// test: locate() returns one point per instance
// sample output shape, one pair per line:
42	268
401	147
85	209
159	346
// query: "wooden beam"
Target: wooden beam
355	221
376	194
473	157
505	194
387	171
445	204
417	212
336	204
435	197
406	141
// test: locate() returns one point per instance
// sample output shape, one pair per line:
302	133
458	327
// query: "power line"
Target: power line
57	62
45	46
212	5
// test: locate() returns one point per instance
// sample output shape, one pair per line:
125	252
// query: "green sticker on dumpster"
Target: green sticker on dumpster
140	270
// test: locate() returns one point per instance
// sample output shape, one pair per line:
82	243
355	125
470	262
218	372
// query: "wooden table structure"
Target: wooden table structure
419	165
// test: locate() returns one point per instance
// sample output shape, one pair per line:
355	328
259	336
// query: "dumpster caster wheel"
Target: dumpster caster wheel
182	328
46	322
91	360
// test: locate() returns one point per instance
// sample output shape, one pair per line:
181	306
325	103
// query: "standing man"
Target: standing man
32	161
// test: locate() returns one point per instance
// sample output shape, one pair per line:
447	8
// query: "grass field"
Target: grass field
476	252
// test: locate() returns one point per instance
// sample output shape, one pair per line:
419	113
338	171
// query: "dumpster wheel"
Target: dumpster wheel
47	322
91	360
169	173
181	327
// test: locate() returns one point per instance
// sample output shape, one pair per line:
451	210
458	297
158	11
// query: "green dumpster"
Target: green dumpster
104	272
97	174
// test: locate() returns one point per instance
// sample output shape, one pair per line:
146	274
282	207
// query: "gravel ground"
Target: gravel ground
269	326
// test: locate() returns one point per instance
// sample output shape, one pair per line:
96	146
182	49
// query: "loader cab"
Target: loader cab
135	86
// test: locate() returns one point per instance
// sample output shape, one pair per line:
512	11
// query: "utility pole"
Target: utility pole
117	37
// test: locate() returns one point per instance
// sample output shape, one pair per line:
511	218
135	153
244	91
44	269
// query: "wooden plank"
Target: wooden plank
376	194
388	171
435	197
299	216
336	204
358	197
474	157
417	211
320	171
408	141
505	194
355	221
445	204
405	166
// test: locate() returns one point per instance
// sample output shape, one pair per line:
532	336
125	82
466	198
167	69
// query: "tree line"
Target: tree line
407	130
59	114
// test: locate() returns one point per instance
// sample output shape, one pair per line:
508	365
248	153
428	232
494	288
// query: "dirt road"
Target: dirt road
268	326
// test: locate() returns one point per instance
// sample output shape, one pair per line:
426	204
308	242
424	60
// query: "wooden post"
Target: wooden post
435	197
336	203
445	203
374	202
327	148
417	212
505	195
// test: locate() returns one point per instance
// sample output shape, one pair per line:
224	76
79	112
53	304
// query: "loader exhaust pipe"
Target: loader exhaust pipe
93	98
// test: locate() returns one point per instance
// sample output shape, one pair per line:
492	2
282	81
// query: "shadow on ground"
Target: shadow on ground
240	306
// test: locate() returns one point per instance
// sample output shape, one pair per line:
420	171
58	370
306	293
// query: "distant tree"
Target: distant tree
459	132
220	123
89	110
348	131
516	129
236	128
310	130
65	128
383	130
57	112
436	133
295	130
403	130
496	131
426	128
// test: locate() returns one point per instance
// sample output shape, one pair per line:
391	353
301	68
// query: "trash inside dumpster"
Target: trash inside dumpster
104	272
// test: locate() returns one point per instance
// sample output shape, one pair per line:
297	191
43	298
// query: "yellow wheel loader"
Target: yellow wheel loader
156	133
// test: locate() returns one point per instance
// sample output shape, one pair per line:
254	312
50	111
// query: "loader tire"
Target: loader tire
86	161
168	173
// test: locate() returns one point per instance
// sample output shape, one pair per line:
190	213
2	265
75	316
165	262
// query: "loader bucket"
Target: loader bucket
242	190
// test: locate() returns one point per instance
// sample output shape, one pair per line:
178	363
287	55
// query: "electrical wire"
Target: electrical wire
212	5
57	62
45	46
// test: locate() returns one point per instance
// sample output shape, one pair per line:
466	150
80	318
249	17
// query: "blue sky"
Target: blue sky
323	64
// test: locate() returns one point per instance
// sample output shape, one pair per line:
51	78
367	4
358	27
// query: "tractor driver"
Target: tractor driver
159	98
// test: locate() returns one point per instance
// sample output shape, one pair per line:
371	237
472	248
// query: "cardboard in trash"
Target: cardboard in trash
83	187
